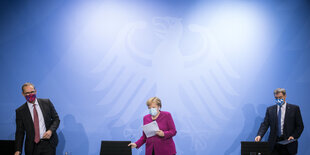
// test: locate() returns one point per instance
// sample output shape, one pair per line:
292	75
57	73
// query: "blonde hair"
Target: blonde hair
153	100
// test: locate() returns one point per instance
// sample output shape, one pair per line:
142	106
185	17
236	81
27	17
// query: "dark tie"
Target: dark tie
36	125
279	121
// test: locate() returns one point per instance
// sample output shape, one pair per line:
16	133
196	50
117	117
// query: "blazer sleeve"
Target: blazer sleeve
20	132
172	131
142	139
299	125
54	117
264	125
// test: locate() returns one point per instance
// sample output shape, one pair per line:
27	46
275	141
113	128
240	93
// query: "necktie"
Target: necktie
36	125
279	121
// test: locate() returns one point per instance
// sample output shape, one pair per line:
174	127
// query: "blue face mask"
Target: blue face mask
153	111
279	102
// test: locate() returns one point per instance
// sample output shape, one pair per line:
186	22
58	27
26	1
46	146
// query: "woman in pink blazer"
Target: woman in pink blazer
162	143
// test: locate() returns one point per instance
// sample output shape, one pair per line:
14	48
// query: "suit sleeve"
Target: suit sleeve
264	125
299	125
54	118
20	132
172	131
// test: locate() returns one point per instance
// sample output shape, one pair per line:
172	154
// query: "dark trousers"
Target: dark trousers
280	149
44	147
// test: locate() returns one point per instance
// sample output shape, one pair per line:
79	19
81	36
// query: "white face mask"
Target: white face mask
153	111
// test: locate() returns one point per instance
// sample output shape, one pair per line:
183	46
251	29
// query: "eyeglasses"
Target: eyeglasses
27	93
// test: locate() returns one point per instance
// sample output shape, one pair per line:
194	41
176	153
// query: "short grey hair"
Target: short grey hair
28	84
279	90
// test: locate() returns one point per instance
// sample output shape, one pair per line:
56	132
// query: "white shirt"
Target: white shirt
283	108
40	115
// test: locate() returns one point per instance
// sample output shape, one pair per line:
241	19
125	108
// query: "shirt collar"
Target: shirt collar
283	105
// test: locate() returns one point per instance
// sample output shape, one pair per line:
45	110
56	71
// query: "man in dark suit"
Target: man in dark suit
285	122
39	120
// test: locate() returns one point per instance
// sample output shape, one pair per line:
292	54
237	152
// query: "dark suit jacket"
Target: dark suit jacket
24	124
293	126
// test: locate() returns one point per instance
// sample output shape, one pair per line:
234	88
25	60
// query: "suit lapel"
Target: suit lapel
274	114
43	109
28	117
288	108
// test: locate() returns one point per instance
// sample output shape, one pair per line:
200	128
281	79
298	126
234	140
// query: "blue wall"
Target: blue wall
214	64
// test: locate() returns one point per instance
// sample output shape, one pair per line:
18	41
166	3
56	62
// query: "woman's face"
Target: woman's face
153	105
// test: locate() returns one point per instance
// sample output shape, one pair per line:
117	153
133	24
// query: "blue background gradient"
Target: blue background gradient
214	64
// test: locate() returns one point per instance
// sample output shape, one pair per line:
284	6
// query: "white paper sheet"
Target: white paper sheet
150	129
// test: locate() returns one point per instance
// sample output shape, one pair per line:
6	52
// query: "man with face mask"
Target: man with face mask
285	123
39	120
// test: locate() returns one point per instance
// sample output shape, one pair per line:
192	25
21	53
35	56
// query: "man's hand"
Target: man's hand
17	153
160	133
133	145
258	138
290	138
47	134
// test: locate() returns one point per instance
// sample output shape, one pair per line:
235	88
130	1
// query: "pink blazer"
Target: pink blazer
162	145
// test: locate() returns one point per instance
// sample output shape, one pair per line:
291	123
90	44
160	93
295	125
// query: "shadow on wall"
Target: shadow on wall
72	138
253	118
11	124
61	145
304	141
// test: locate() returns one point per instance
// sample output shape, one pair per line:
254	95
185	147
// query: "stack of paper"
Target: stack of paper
285	142
150	129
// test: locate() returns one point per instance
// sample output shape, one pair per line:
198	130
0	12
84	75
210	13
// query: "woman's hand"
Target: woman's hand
133	145
160	133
